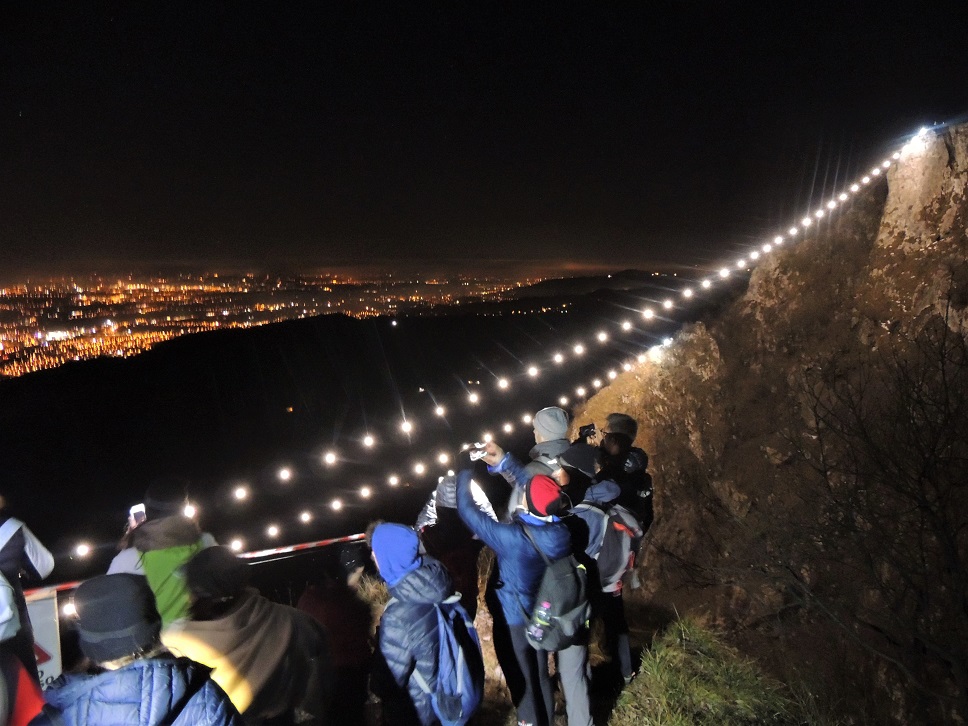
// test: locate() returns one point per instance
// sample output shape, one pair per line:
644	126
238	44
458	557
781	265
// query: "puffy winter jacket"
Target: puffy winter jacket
604	492
518	475
408	631
148	692
521	565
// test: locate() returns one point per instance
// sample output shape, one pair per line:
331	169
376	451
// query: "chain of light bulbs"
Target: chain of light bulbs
654	354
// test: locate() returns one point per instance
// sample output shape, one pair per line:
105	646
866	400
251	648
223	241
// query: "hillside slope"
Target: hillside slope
810	451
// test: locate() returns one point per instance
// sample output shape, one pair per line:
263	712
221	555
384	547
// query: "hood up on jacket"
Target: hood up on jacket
160	534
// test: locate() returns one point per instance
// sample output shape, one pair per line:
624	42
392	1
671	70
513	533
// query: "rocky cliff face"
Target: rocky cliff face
770	513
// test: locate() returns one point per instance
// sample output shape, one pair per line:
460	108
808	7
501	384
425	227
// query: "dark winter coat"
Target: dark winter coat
408	631
148	692
518	475
521	565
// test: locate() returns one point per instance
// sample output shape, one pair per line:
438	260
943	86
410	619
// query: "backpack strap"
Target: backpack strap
524	528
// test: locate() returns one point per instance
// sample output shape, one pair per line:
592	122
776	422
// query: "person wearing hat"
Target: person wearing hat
521	569
165	541
272	660
409	639
138	681
626	465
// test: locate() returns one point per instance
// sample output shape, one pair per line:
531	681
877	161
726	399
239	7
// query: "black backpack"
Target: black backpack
561	608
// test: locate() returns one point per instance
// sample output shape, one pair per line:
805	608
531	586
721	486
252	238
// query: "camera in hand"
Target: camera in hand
478	451
585	431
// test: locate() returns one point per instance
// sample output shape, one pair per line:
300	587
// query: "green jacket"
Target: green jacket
165	545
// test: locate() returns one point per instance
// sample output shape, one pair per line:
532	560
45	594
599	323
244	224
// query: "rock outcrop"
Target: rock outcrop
760	521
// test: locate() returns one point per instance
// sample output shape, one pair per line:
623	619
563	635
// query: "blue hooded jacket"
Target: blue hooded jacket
521	565
146	692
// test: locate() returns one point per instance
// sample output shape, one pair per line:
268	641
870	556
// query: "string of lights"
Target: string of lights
557	360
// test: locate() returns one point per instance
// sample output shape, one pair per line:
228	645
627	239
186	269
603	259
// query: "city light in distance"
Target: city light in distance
368	441
473	398
305	517
503	383
419	469
366	492
236	545
336	505
83	549
532	371
285	474
393	480
330	458
189	510
440	411
241	493
272	531
406	426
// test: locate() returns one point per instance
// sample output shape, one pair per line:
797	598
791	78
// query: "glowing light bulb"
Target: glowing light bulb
667	342
648	314
724	273
189	510
792	232
241	493
272	530
526	419
818	214
305	517
473	397
706	284
866	180
602	336
843	196
366	492
487	438
831	204
558	358
580	391
687	292
766	248
508	428
330	458
626	325
419	469
82	550
754	255
641	358
393	480
597	383
855	188
532	371
612	375
236	545
876	171
406	427
896	155
627	367
655	353
667	304
443	458
503	383
439	411
740	264
69	610
563	401
336	505
886	163
806	221
368	441
778	240
579	349
285	474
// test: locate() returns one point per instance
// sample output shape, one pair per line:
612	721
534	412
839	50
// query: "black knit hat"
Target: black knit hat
165	497
116	616
216	574
581	457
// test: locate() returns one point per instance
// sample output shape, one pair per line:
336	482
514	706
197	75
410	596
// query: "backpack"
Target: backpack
460	665
620	534
561	608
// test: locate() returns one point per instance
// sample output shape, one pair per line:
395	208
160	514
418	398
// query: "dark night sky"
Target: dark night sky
273	134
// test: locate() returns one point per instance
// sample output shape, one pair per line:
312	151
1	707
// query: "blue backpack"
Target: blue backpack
460	669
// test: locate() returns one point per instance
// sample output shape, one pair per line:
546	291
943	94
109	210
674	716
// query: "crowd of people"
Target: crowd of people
175	634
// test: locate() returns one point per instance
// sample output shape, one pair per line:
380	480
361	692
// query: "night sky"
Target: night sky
567	135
